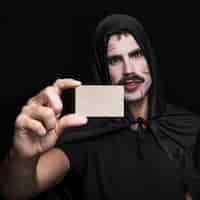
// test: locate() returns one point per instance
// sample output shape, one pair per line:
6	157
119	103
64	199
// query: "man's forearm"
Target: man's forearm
18	176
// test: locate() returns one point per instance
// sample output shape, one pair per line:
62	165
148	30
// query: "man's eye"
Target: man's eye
137	54
114	61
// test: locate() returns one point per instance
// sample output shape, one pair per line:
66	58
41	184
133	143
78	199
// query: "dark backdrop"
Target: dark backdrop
36	49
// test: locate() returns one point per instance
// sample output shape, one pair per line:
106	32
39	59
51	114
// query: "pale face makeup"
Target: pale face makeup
128	66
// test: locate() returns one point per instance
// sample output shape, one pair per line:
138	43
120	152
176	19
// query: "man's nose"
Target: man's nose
128	66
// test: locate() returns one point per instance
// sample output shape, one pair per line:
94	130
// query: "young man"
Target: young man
153	152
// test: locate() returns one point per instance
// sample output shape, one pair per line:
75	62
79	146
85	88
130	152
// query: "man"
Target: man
151	153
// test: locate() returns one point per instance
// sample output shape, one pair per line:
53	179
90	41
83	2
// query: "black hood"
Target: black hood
117	23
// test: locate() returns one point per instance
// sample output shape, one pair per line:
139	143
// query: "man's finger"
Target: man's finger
70	120
62	84
48	97
24	122
54	100
43	114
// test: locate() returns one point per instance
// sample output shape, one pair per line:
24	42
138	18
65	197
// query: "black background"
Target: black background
49	42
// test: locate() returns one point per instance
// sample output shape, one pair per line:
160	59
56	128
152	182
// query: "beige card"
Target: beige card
99	101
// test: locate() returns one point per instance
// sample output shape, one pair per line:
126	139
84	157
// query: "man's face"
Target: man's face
128	66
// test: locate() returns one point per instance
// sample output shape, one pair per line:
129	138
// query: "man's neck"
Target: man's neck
139	108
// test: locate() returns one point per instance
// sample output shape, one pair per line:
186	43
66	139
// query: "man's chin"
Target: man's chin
130	98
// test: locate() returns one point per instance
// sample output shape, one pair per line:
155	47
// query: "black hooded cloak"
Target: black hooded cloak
111	161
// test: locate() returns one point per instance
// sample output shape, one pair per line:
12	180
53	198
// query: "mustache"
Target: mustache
133	77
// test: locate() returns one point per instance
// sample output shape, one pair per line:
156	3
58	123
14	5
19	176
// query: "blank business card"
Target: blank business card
99	101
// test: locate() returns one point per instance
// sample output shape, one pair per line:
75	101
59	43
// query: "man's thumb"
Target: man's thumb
70	120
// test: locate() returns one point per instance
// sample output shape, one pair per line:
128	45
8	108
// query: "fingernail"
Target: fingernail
79	82
42	131
82	119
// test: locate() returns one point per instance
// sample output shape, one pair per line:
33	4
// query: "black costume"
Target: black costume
111	161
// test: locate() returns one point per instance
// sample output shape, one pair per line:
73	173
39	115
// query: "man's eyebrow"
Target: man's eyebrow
116	56
133	52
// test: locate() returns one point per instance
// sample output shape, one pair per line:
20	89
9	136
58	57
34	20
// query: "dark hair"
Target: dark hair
119	34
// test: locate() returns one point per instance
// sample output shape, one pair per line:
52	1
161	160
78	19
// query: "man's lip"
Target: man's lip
127	82
130	85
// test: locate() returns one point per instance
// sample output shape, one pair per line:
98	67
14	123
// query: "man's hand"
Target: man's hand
38	126
32	161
